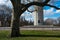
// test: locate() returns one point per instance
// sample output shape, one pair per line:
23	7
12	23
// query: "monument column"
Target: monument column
35	14
38	15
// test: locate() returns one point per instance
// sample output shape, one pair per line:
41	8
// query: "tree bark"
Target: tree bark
15	24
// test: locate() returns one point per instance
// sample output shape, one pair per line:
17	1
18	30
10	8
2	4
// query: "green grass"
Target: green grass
5	35
32	32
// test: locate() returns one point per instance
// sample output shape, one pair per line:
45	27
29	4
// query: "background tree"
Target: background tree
5	14
24	22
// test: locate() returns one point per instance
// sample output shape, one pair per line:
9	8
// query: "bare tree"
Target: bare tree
5	14
19	9
15	25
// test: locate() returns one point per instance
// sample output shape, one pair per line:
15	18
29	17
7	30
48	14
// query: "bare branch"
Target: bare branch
37	4
31	11
34	3
53	6
30	4
25	7
46	1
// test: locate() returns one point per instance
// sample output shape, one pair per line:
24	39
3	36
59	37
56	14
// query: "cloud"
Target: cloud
6	2
2	1
57	11
48	12
54	2
45	18
28	15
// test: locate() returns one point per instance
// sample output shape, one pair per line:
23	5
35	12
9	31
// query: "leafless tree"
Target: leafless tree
19	9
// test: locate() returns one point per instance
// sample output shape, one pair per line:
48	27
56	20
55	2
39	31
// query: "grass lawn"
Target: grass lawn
5	35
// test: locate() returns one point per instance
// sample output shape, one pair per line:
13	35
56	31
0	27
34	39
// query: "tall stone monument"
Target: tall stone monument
38	15
35	14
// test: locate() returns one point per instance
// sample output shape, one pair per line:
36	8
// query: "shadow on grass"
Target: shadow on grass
22	35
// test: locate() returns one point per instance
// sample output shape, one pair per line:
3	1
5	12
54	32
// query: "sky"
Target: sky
48	12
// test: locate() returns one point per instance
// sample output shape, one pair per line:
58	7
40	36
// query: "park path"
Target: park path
32	28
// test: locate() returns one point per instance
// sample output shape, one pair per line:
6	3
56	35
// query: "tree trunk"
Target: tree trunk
15	26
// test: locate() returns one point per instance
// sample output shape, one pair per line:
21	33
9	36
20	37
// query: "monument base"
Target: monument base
40	26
